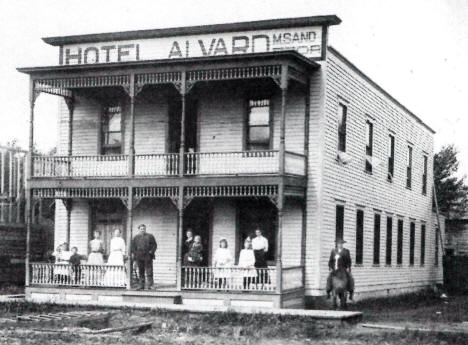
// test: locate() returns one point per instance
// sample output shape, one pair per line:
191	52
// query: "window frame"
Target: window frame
339	223
389	241
359	255
342	126
400	231
422	257
104	147
391	157
369	144
424	176
409	166
247	143
412	242
377	236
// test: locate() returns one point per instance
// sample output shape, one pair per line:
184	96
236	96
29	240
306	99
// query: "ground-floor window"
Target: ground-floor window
423	243
388	252
400	242
359	236
411	244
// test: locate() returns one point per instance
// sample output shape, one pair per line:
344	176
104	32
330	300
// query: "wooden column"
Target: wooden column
282	147
129	236
304	202
131	149
71	106
32	100
18	188
68	203
180	236
183	94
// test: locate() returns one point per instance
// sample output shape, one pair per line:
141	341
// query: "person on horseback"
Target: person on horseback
340	258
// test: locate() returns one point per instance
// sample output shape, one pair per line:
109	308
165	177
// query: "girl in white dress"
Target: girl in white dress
222	258
115	275
247	262
96	248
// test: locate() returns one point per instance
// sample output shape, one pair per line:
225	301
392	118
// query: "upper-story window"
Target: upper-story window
369	145
424	176
409	166
391	157
258	125
111	130
342	116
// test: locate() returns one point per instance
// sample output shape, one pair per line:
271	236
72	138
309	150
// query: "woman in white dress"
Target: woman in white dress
115	275
96	248
222	260
247	262
62	260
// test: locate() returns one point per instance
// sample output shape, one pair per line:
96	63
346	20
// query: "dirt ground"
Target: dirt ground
424	310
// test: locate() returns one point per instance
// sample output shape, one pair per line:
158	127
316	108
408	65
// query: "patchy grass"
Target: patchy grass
170	327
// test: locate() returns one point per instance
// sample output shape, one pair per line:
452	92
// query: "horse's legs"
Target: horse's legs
335	305
343	300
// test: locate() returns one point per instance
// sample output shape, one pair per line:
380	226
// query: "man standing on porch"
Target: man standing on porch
143	248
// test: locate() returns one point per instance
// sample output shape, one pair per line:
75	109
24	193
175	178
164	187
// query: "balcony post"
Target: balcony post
183	93
32	100
131	149
71	106
284	94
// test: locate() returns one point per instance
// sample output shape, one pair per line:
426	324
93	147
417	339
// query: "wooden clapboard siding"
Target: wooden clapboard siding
160	217
221	119
292	229
86	125
60	223
224	225
79	226
314	181
62	127
351	185
151	122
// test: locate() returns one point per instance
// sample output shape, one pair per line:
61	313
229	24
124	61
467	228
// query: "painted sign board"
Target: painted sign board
305	40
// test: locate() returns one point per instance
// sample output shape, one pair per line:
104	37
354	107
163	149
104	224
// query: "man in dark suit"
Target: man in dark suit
340	258
143	248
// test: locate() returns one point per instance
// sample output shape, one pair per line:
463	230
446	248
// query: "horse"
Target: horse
339	287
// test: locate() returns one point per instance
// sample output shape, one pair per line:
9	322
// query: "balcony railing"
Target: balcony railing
167	164
229	278
232	163
82	275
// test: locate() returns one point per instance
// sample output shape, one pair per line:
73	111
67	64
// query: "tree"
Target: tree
452	192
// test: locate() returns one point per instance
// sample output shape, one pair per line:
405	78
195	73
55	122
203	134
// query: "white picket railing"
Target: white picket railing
80	166
157	164
231	163
82	275
229	278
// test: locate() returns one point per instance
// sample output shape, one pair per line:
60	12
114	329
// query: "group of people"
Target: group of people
252	258
143	252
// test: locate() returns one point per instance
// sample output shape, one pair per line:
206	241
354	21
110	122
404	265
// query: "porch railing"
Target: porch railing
292	277
229	278
82	275
165	164
80	166
231	163
294	163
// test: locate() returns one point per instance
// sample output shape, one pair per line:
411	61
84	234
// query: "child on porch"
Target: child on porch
75	261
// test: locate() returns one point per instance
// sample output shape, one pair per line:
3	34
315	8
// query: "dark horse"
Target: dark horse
339	287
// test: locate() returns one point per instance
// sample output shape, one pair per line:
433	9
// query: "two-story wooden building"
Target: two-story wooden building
224	129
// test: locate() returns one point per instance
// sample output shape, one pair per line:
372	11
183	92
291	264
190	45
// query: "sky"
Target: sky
416	50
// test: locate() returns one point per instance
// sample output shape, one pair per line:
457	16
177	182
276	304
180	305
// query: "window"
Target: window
369	145
388	249
400	242
359	236
258	125
424	177
376	239
423	243
342	116
409	164
339	222
111	130
391	157
411	243
436	258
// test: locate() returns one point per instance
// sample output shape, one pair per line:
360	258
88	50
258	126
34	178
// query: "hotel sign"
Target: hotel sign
308	41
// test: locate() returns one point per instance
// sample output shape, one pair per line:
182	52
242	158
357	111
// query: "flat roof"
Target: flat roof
287	54
195	30
378	87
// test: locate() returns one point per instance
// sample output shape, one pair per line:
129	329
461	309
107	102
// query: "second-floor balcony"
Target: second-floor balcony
168	164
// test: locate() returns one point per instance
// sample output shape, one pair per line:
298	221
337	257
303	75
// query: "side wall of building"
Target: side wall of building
351	186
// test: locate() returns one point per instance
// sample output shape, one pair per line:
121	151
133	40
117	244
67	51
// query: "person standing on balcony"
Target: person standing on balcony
96	249
260	248
143	248
116	275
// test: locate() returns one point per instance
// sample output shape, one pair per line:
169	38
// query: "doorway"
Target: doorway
191	125
197	217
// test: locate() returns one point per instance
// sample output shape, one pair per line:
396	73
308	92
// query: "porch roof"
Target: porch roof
195	30
287	55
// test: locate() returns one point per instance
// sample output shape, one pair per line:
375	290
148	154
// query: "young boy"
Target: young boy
75	261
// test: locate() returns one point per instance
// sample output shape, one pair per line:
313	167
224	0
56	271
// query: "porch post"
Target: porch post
180	234
70	104
129	236
32	100
304	202
68	206
131	150
279	234
183	93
